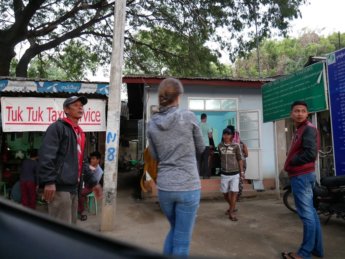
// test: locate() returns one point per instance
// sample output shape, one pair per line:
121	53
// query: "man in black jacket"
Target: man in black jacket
61	164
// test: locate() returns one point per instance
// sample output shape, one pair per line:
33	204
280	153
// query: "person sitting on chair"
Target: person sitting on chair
95	158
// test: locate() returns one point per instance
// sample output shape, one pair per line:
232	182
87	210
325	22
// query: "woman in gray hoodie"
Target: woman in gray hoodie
175	141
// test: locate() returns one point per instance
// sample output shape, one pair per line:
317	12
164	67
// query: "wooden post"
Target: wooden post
113	121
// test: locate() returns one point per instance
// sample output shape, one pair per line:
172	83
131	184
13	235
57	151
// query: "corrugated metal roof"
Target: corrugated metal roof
241	79
25	85
197	81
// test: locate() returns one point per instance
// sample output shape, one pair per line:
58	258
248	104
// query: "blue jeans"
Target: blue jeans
180	208
302	188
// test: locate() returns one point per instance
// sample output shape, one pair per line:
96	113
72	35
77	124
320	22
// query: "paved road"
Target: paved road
265	228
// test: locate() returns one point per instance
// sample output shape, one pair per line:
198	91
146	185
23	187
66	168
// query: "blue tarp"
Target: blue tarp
8	85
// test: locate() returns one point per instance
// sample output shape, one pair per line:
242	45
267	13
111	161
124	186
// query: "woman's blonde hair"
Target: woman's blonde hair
168	91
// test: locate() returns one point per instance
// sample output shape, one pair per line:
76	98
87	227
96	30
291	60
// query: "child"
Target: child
231	170
95	159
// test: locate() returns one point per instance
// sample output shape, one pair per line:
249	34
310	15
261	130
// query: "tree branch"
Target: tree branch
151	47
70	35
18	30
17	8
97	34
49	27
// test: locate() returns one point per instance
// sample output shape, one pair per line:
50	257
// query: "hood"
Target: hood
166	117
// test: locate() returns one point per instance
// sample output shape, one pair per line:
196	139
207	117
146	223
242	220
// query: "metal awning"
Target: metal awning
33	86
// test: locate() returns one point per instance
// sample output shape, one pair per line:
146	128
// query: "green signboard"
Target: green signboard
308	85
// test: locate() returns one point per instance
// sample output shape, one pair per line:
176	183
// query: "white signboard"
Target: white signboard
20	114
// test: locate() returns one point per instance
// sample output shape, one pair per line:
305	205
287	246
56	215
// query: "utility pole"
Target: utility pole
113	120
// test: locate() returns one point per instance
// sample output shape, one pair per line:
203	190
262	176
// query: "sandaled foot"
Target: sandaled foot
83	217
227	212
233	217
290	255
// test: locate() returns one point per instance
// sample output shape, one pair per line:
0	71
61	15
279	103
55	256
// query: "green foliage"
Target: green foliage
71	63
76	60
49	25
43	67
279	57
337	40
173	54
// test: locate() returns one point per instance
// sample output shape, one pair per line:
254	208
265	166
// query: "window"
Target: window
212	105
202	104
196	104
249	126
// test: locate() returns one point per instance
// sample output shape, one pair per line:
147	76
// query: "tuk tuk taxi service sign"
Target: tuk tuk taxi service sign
20	114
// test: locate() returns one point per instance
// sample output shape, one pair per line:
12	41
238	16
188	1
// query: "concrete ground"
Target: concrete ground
265	227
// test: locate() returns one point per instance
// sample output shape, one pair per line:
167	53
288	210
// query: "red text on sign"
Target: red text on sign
14	115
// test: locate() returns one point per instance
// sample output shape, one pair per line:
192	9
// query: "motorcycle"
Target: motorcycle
329	197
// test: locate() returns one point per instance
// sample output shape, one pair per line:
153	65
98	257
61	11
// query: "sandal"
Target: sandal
290	255
227	212
233	217
83	217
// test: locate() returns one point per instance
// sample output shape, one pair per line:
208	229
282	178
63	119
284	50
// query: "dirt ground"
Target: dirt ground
265	227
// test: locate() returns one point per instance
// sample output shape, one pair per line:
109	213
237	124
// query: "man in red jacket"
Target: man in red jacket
300	165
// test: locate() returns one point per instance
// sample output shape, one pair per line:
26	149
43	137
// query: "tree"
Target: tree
337	40
279	57
48	24
71	63
75	60
163	52
45	25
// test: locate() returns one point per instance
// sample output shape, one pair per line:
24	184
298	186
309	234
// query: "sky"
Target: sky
322	16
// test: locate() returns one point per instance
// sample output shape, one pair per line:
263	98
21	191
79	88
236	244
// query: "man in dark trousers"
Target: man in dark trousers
300	165
206	130
61	162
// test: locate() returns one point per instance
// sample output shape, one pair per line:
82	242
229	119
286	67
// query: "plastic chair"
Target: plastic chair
92	203
4	190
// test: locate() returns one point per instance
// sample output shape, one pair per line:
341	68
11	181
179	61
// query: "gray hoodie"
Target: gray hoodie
175	140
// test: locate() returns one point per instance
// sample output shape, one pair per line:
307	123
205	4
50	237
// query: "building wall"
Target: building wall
248	99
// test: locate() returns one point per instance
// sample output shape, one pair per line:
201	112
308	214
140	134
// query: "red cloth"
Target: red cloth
80	144
296	148
28	194
82	198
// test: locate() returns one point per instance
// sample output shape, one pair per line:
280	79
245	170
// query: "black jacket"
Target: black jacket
58	159
303	150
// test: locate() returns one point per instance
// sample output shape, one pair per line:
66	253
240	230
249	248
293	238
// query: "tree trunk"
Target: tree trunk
22	67
6	55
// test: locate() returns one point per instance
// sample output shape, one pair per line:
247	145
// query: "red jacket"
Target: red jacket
303	150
